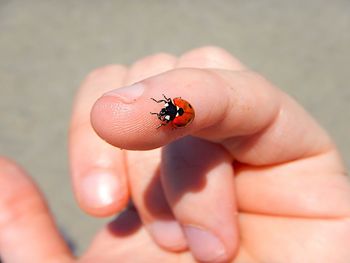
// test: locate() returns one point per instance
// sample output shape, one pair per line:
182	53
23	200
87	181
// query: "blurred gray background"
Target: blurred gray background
47	47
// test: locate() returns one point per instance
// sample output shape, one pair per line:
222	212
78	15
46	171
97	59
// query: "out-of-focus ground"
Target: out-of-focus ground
47	47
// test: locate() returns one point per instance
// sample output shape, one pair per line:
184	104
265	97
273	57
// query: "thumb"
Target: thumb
235	108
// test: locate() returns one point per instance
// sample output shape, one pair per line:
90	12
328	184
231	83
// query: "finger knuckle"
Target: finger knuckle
103	72
209	52
153	60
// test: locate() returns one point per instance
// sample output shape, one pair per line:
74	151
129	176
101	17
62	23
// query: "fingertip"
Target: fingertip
14	185
205	246
122	117
24	217
102	193
149	200
168	234
197	177
9	167
107	192
129	125
121	123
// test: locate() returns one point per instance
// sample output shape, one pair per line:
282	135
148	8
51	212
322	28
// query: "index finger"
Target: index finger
255	121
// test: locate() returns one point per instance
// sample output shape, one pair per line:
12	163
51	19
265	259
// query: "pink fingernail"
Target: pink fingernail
128	93
204	245
99	189
168	234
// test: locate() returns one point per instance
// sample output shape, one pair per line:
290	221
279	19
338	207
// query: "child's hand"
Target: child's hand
253	175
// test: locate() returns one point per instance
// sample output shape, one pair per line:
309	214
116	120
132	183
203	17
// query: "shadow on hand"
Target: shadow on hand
185	166
126	223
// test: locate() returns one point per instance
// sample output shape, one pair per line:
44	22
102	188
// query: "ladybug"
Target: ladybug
176	111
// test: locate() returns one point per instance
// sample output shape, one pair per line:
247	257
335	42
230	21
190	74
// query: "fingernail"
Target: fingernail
204	245
128	93
99	189
168	233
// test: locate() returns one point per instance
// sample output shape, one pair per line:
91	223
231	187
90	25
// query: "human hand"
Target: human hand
253	177
28	233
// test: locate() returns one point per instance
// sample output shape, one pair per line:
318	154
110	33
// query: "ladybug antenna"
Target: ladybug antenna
159	101
167	99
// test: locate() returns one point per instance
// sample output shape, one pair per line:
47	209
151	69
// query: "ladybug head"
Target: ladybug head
169	111
163	112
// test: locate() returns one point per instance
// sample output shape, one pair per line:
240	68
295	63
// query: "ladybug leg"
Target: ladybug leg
162	124
158	115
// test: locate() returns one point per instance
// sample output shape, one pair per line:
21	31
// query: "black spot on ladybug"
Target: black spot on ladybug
180	111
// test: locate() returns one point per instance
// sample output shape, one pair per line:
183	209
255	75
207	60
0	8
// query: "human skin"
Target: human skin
252	179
